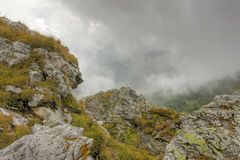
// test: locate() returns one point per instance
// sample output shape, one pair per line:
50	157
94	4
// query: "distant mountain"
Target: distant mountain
194	98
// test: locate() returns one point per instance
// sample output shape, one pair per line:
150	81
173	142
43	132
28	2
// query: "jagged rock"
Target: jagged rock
122	103
212	132
17	118
52	118
13	89
56	67
60	142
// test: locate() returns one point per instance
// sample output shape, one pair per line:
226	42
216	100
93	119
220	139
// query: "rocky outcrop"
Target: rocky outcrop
38	74
46	76
122	103
54	66
125	114
60	142
212	132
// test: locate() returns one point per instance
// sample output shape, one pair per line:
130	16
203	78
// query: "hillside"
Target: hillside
40	119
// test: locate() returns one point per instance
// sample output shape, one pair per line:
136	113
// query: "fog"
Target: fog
152	46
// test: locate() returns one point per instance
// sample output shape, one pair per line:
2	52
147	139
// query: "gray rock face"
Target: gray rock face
63	142
52	67
56	67
212	132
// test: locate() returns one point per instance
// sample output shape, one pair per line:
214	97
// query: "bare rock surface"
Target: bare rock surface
63	142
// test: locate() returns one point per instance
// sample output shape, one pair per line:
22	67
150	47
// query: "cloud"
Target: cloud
153	45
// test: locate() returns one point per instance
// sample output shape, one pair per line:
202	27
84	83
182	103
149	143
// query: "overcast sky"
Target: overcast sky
150	45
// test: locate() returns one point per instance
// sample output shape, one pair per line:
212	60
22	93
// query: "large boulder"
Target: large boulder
60	142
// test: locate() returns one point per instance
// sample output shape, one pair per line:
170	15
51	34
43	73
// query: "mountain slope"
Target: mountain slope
37	75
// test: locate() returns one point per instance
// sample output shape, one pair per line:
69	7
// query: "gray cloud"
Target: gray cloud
153	45
168	44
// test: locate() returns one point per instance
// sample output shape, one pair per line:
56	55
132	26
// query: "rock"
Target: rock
56	67
123	112
17	118
60	142
35	100
13	89
13	53
52	118
17	26
35	74
212	132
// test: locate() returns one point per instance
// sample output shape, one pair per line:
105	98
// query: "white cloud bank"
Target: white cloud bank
152	45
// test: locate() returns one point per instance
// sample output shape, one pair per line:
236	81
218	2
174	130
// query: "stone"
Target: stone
13	89
13	53
35	76
56	67
122	109
17	118
35	100
52	117
60	142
